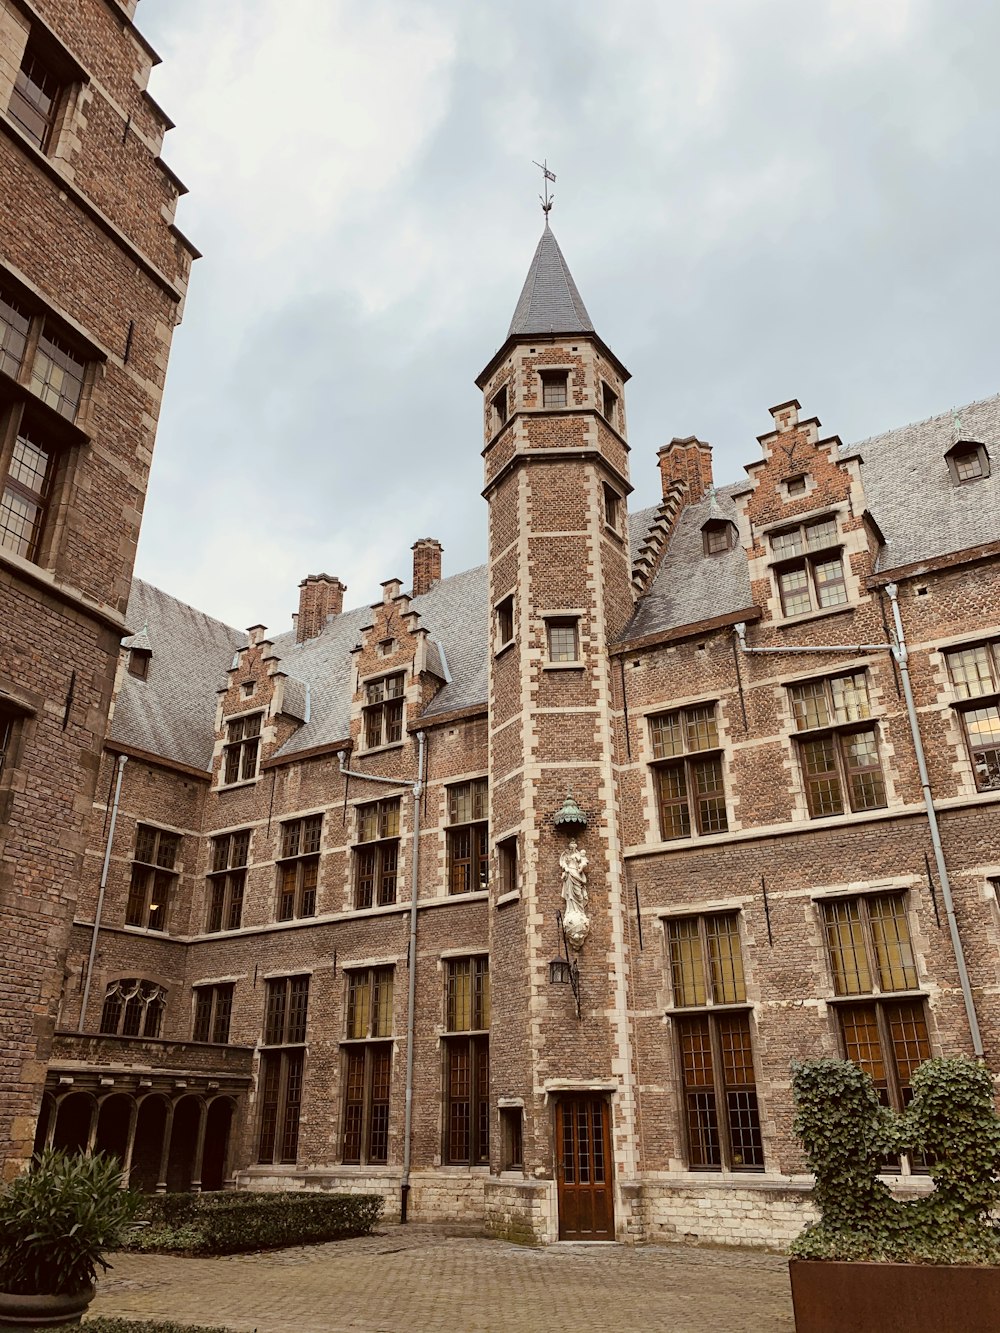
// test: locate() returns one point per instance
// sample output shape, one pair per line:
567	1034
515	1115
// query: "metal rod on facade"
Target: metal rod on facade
411	1010
122	761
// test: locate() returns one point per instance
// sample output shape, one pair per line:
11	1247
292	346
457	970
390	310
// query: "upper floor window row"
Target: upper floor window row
383	711
688	772
840	760
35	97
809	567
40	357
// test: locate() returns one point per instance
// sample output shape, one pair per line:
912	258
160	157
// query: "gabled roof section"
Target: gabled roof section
172	712
549	300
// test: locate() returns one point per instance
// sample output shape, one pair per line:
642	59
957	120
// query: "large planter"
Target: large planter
29	1312
886	1298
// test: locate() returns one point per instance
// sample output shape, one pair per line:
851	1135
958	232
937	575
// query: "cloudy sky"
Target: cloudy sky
759	199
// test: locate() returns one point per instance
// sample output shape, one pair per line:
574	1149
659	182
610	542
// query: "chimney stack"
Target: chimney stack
321	597
690	461
426	564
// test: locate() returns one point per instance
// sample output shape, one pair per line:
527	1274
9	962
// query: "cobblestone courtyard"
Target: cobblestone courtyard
405	1280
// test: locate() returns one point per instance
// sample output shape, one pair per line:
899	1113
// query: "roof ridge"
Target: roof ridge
179	601
922	421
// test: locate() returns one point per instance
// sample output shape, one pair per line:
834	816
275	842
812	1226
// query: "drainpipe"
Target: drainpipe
417	788
122	761
900	655
411	1003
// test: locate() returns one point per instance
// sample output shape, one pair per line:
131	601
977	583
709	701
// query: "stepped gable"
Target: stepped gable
912	495
172	712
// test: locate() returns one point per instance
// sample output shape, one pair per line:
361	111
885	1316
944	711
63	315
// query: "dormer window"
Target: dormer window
554	388
968	461
138	662
609	404
718	535
499	405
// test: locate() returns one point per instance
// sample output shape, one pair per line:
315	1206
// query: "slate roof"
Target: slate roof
920	511
172	712
549	300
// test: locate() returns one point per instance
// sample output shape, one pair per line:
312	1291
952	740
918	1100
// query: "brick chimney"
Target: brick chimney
688	460
426	564
321	596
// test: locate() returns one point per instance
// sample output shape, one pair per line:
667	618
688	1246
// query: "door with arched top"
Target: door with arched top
584	1168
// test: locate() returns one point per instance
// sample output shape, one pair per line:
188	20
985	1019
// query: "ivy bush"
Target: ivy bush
230	1223
951	1122
58	1219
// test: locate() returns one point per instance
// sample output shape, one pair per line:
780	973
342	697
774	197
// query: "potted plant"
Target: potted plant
56	1222
873	1263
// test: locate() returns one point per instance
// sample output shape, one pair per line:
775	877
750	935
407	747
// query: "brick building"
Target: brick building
92	279
513	895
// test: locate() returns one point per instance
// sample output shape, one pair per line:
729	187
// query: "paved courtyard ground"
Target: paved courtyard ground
408	1279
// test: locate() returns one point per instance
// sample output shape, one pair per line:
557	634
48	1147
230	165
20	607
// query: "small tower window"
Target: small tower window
968	461
609	404
505	621
554	388
612	509
500	408
564	640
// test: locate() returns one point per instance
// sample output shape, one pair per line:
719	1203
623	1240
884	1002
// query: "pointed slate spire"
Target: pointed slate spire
549	300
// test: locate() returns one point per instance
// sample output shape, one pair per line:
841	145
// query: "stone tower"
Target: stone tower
559	585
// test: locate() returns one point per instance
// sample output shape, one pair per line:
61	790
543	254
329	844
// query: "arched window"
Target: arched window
133	1008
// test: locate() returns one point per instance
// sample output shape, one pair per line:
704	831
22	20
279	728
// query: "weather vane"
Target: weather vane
547	199
956	422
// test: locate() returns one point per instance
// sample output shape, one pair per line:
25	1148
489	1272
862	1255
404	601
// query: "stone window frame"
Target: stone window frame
44	53
465	1054
609	404
133	998
876	1021
241	748
508	855
297	865
376	857
468	839
383	713
810	556
282	1067
614	509
11	731
212	1006
51	362
229	859
562	622
709	1013
155	874
689	760
967	701
499	409
553	388
503	613
838	731
366	1053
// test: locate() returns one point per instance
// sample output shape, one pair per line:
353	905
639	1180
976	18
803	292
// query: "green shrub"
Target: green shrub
230	1223
57	1220
846	1133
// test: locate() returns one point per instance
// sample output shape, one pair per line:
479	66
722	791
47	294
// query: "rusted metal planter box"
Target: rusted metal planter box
886	1298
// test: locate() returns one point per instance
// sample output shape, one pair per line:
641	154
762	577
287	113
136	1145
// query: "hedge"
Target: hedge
230	1223
141	1326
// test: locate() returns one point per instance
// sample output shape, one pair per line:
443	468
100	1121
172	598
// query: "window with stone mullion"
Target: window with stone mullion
298	868
468	837
840	760
242	748
383	711
213	1006
153	877
687	772
367	1066
975	675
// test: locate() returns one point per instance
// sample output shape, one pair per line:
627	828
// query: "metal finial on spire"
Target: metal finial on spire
957	423
547	199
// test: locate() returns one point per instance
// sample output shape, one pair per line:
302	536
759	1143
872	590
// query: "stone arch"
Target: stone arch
184	1139
215	1155
114	1122
147	1151
75	1118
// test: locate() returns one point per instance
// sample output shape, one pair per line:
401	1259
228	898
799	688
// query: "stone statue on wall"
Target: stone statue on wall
576	923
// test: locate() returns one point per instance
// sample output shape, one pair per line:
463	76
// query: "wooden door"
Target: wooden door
583	1145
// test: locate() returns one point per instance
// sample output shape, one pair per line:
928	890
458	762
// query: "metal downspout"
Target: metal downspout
411	1003
122	761
902	657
